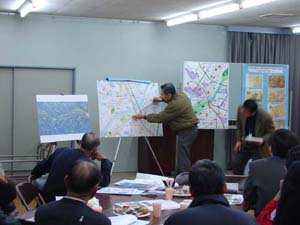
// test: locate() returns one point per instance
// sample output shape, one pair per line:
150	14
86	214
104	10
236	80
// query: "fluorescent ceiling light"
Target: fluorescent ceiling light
296	30
175	15
26	8
251	3
182	19
219	10
17	4
212	5
195	9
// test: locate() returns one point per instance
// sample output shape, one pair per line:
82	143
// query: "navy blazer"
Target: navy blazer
58	165
69	212
210	210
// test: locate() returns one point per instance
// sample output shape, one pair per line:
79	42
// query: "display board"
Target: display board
119	101
207	85
268	85
62	117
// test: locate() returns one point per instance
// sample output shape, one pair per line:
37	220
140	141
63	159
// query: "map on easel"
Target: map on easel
207	85
119	101
62	117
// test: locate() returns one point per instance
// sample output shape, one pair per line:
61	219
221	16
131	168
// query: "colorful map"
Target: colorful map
119	101
207	86
62	117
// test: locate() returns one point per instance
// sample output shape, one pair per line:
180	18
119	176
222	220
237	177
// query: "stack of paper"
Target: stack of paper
234	199
165	204
119	191
139	184
126	220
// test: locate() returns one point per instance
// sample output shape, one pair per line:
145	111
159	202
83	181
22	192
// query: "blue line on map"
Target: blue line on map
127	80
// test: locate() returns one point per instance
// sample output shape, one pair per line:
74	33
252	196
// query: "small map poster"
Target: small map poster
119	101
62	117
269	86
207	85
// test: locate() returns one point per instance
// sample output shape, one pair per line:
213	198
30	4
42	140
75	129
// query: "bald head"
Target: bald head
83	179
90	142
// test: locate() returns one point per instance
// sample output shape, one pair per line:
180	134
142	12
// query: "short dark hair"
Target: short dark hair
287	212
89	141
206	177
281	141
168	88
250	105
292	156
83	177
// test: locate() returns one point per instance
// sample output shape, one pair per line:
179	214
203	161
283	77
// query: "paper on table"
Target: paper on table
234	199
30	219
120	191
140	184
232	187
126	220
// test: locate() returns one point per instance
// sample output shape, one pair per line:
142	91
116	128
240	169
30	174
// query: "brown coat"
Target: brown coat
264	126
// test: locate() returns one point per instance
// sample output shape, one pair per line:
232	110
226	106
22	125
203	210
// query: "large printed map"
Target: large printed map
62	117
207	84
119	101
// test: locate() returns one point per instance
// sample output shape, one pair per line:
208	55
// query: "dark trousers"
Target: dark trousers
184	142
250	151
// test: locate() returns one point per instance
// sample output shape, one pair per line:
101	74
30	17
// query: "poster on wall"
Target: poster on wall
62	117
269	86
207	85
119	101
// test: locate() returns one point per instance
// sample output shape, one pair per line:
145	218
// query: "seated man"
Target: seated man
81	183
265	174
209	206
62	160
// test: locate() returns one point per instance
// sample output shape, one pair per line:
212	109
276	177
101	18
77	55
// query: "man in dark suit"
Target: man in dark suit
265	174
209	206
81	183
62	160
251	121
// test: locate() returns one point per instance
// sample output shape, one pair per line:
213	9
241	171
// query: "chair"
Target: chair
27	193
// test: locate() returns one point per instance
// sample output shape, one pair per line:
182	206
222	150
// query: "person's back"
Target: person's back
62	160
69	212
82	182
265	174
211	210
209	207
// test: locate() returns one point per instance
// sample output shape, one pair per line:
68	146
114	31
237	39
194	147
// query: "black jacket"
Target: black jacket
210	210
264	181
58	165
69	212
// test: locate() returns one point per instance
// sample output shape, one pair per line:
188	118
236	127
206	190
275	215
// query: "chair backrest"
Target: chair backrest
27	192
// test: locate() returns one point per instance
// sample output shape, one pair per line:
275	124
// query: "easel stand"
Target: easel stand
151	149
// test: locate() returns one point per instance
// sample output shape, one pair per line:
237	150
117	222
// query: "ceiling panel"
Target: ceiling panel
155	10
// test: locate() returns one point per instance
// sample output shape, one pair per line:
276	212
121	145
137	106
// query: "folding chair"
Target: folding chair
27	193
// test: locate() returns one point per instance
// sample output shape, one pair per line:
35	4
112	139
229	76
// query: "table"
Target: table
107	202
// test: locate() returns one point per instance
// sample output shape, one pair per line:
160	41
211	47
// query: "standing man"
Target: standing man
252	121
180	117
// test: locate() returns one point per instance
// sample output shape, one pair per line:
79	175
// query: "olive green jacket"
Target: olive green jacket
178	114
264	125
